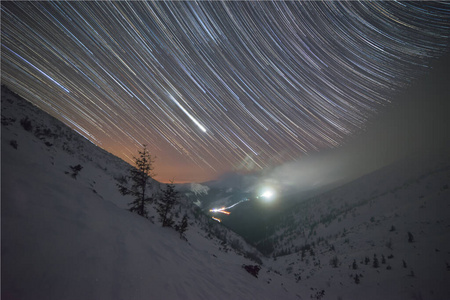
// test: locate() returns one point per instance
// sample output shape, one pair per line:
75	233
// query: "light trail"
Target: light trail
202	128
246	199
220	210
223	209
268	195
217	209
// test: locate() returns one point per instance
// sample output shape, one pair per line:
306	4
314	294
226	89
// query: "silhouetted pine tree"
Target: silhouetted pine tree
375	261
166	203
141	177
334	262
354	265
182	227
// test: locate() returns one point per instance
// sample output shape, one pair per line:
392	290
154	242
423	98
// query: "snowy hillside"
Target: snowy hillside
383	236
71	237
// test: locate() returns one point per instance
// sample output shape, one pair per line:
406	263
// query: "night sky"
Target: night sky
213	87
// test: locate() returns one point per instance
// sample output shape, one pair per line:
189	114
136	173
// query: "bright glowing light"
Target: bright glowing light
217	219
214	210
268	194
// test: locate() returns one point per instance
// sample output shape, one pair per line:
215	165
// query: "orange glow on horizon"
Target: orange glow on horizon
167	167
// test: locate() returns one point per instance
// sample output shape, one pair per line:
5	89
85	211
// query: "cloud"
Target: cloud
199	189
416	124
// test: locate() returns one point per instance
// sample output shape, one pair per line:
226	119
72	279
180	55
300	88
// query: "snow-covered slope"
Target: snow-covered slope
399	214
72	238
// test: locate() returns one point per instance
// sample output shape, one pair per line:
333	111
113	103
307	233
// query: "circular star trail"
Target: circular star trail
217	86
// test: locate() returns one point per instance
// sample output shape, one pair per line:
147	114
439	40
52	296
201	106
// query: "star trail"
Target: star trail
217	86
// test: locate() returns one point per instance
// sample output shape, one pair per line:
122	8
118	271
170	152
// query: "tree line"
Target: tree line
138	184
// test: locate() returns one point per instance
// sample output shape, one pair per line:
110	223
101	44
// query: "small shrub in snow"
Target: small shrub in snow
356	278
354	265
75	170
375	263
13	143
319	295
334	262
26	124
410	237
252	269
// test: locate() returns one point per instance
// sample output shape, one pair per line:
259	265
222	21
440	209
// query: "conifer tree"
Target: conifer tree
375	261
141	177
354	265
166	203
182	227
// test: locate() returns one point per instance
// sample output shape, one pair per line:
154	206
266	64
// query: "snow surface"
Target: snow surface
67	238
